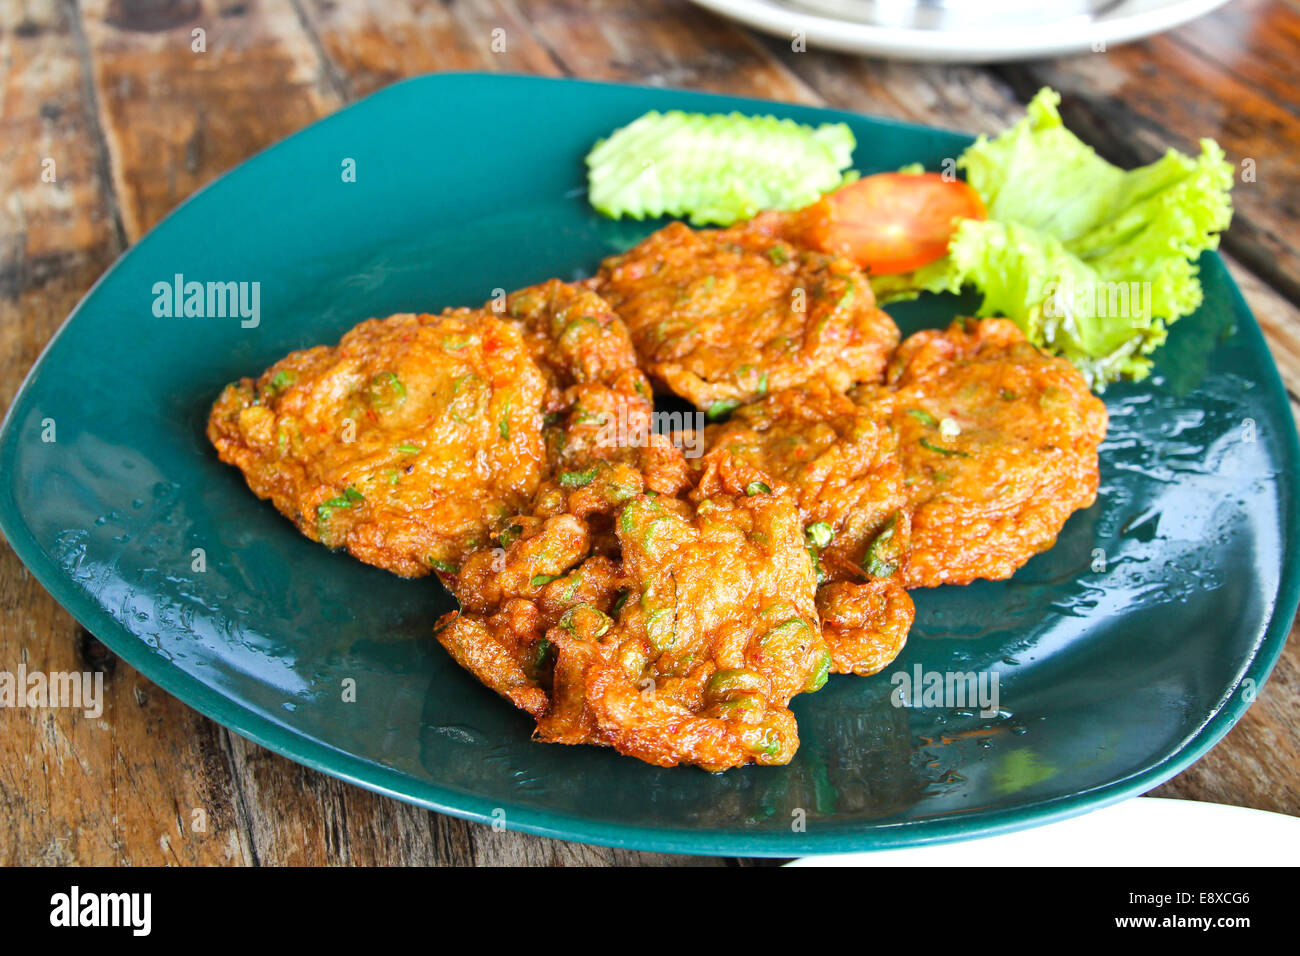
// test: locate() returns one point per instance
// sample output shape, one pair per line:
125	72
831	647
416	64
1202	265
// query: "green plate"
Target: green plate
1112	678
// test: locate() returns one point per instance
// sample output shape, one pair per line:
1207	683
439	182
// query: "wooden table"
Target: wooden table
136	114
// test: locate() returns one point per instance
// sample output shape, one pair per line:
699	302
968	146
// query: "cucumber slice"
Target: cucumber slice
715	169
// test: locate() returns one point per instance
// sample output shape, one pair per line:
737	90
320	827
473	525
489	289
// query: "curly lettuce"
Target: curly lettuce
1091	261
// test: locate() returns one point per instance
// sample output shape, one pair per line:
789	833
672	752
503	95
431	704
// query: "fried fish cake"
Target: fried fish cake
404	444
602	448
719	632
687	651
606	451
511	596
837	459
602	453
998	442
722	317
865	623
573	333
840	463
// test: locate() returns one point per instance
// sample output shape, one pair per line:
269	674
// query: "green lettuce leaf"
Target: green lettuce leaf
1091	261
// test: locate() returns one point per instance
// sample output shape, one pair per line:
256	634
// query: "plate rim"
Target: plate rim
966	46
431	795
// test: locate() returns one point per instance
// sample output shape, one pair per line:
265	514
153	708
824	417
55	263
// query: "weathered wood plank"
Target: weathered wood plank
179	108
957	97
660	43
371	44
58	225
122	786
1255	40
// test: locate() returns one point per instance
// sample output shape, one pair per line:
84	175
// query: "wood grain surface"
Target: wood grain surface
137	110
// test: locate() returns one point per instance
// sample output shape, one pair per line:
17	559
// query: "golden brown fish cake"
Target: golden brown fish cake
602	453
722	317
605	452
715	631
865	623
573	333
719	632
513	595
840	463
403	444
998	441
837	458
601	445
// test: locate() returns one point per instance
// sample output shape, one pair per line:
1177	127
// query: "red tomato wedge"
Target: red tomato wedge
891	222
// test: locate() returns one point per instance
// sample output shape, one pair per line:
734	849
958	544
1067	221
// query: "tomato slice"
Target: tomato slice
891	222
